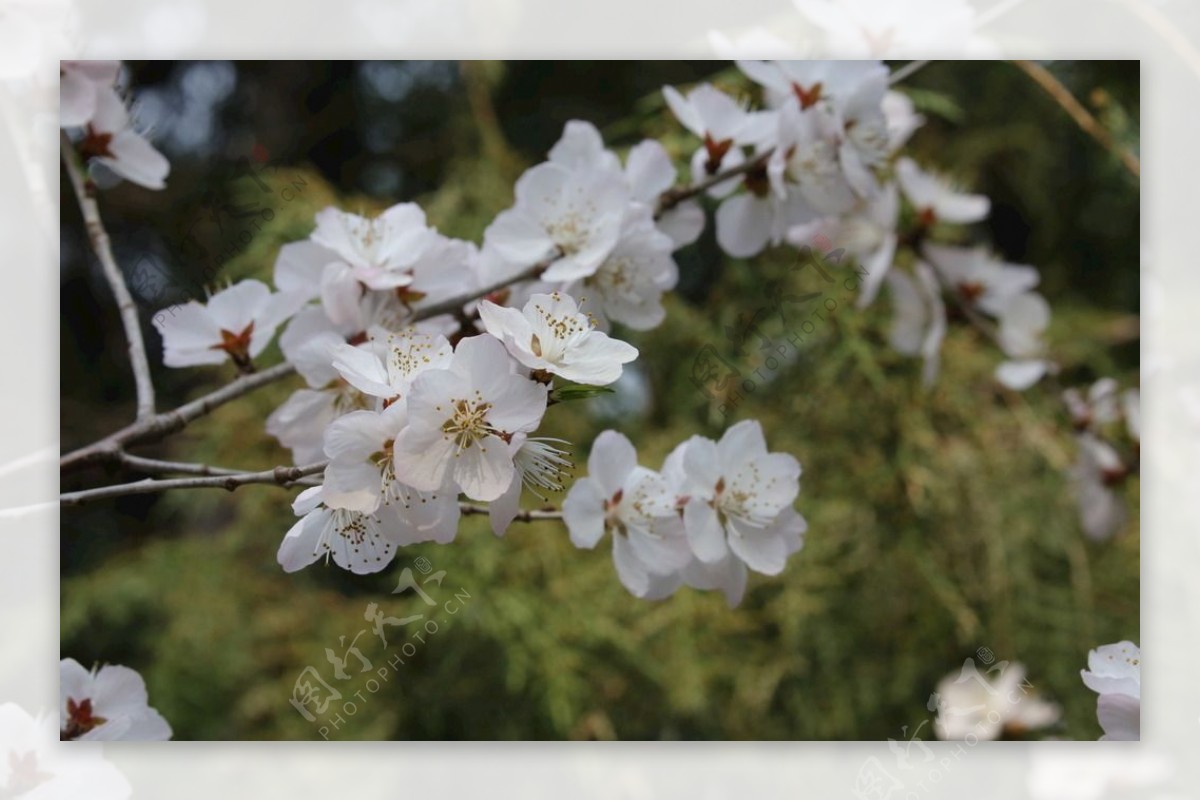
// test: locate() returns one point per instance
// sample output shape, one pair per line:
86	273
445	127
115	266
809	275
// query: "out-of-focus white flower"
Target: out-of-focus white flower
1131	405
34	765
723	124
902	119
1115	673
935	199
110	139
1023	320
919	317
636	506
236	323
885	29
737	498
970	705
461	421
80	88
106	704
1098	470
550	334
1099	408
980	279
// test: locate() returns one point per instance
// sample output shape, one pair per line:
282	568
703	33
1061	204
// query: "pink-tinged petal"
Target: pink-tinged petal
611	462
705	534
583	512
743	225
484	470
1120	716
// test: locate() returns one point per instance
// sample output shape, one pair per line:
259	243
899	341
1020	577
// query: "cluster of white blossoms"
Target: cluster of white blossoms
95	114
1115	674
109	703
714	511
1099	415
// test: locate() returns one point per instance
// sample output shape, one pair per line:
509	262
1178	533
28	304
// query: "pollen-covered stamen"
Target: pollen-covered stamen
745	497
562	331
80	719
543	466
572	228
468	421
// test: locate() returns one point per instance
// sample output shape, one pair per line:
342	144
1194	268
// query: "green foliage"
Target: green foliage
940	522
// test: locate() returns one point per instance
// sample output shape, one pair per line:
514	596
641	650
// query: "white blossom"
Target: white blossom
109	138
109	703
935	199
919	317
970	705
550	334
1115	673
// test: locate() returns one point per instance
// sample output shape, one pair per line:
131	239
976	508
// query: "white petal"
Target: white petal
1120	717
583	512
743	225
704	532
612	460
484	470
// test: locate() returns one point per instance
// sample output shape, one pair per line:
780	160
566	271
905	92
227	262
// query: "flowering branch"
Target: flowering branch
673	197
281	476
103	250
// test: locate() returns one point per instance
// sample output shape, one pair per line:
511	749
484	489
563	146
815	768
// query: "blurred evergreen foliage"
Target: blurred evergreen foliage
940	521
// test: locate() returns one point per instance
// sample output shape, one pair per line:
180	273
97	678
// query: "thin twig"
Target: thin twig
116	281
281	476
673	197
908	69
525	516
1082	117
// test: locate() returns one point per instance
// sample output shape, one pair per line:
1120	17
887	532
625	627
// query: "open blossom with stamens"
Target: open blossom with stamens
573	215
737	498
550	334
461	421
379	250
935	199
1098	408
636	506
236	323
106	704
356	541
387	364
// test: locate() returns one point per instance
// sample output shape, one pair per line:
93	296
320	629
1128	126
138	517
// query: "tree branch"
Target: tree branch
673	197
281	476
1082	117
526	516
116	280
